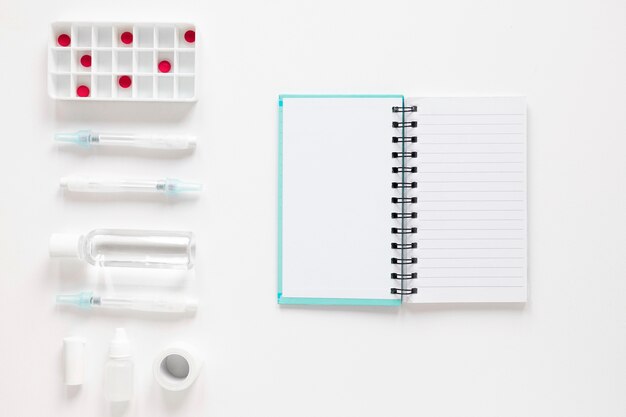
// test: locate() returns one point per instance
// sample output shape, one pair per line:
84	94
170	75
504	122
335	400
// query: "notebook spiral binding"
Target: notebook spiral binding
404	201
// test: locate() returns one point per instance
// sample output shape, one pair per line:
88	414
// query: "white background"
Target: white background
563	353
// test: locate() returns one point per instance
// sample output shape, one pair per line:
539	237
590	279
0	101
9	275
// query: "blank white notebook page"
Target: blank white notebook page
471	199
336	192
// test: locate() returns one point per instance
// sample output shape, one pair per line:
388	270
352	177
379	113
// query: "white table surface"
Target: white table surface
561	354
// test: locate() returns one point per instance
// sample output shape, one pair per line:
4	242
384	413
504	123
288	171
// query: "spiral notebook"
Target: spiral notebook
385	199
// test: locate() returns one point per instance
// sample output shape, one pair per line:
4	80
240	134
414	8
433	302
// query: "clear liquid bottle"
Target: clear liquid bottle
118	371
128	248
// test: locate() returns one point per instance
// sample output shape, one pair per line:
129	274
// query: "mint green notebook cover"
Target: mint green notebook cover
283	300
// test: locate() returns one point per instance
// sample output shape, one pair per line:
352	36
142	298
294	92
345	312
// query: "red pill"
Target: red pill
64	40
126	38
85	61
165	66
82	91
124	81
190	36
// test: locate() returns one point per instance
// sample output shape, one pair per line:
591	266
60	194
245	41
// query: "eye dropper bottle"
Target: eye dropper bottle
118	371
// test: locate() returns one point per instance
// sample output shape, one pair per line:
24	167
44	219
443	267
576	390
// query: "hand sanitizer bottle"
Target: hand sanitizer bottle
127	248
118	371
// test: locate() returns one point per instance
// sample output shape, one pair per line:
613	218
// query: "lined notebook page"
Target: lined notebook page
471	199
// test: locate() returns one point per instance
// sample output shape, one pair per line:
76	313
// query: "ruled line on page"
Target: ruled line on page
471	257
490	248
470	124
469	143
470	191
464	181
467	133
470	114
467	220
472	210
470	238
470	172
455	230
469	286
469	153
469	162
476	277
471	267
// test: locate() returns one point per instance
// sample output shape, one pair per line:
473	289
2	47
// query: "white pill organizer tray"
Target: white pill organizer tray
122	61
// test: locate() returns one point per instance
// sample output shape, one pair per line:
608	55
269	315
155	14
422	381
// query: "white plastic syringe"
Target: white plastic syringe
169	186
88	138
86	299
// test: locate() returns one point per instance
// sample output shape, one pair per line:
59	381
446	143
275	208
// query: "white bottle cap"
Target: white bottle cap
74	359
120	345
64	245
